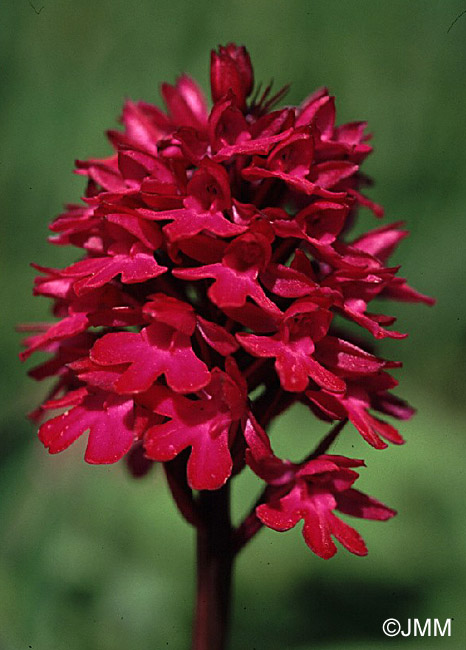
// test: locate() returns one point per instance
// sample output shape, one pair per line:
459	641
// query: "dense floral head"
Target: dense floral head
216	273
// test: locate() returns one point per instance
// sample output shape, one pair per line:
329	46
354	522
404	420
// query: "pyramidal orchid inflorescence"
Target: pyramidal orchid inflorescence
217	269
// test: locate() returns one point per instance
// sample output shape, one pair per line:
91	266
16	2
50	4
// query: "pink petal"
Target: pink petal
217	337
355	503
109	420
347	536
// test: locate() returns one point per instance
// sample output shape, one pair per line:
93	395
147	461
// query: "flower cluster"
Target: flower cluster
217	272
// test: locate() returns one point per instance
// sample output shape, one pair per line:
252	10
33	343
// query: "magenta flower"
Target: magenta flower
311	492
216	256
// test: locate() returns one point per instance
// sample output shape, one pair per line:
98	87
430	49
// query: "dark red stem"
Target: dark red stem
214	570
182	494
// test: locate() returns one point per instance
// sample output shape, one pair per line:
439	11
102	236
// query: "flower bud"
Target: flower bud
231	69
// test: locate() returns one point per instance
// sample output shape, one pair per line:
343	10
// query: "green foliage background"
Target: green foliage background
93	560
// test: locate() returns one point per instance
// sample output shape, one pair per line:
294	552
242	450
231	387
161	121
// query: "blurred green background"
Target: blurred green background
91	559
